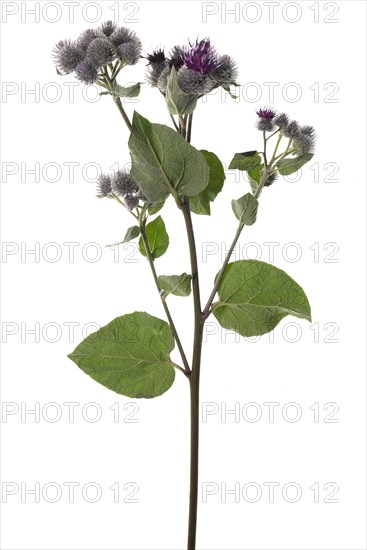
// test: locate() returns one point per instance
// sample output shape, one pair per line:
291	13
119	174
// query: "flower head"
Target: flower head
225	70
268	114
271	179
282	121
265	122
108	27
86	37
129	53
123	183
67	55
86	72
292	130
176	57
156	64
104	187
193	82
101	51
127	44
305	140
201	57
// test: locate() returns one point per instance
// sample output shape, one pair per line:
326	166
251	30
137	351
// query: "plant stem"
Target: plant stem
174	123
165	306
189	128
276	148
117	100
206	311
194	445
194	377
265	159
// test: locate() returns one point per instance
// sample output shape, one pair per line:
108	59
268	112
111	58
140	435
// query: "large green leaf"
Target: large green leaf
178	102
201	203
162	161
245	209
130	356
255	296
157	238
179	285
245	161
289	166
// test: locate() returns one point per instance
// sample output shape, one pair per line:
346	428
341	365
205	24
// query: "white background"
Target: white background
317	46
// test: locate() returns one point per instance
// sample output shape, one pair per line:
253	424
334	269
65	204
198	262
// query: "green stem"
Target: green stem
286	152
194	376
265	159
276	148
189	128
117	100
206	311
194	379
165	306
174	123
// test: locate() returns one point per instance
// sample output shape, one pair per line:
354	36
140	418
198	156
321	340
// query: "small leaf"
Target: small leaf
227	88
245	161
179	285
178	102
289	166
155	207
157	238
201	203
130	356
255	296
128	91
131	234
245	209
163	161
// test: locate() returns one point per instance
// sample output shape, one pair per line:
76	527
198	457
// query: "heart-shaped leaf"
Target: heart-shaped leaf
255	296
130	356
157	238
162	161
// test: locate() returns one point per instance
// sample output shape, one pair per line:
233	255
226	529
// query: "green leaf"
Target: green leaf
289	166
178	102
227	88
245	209
163	161
157	238
156	207
255	174
179	285
201	203
255	296
128	91
130	356
245	161
131	234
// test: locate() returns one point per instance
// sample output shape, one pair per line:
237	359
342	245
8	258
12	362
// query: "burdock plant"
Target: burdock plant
131	355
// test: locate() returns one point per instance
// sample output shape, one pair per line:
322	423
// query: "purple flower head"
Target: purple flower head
86	72
108	27
176	58
268	114
86	37
100	51
104	185
201	57
156	58
67	55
